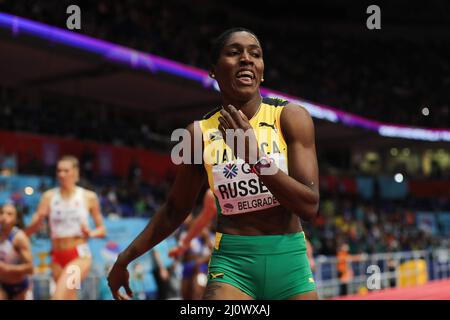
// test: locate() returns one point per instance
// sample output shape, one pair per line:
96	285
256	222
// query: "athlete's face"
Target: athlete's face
240	66
67	174
8	216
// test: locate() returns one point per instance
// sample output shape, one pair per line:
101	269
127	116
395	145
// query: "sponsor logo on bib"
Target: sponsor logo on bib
230	171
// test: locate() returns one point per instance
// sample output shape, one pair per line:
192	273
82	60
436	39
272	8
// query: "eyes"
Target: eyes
235	52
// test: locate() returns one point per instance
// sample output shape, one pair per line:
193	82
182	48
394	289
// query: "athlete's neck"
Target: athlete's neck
249	108
67	192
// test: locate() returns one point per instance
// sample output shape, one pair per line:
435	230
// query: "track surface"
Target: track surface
435	290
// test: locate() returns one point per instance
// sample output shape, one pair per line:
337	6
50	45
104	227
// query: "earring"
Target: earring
262	79
212	75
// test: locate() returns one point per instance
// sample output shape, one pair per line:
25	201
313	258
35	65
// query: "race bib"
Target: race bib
239	190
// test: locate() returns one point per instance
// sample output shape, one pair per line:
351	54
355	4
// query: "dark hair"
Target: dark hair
20	219
219	42
19	214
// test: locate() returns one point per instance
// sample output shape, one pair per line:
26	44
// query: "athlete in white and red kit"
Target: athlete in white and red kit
67	208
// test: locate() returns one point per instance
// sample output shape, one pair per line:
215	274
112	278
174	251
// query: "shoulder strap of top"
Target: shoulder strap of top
12	234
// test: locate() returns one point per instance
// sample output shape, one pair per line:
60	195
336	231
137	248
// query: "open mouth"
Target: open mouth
245	76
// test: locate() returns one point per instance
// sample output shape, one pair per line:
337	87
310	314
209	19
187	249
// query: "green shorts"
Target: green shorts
264	267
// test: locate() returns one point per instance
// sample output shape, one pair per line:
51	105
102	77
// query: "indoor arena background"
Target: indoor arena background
112	92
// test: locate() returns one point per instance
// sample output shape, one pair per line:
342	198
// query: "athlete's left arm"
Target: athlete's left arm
298	191
22	246
94	207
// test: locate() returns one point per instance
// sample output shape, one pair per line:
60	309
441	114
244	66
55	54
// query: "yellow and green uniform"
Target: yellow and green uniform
237	190
264	267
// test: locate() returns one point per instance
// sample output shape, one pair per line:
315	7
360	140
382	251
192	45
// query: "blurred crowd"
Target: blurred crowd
375	225
355	71
366	225
127	196
82	119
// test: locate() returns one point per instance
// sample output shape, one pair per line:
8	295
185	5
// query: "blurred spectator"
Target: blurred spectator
166	279
8	163
345	271
87	163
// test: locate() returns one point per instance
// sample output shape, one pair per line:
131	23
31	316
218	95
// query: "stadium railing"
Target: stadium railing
370	272
380	271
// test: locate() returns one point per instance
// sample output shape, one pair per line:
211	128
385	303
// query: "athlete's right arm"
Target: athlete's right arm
41	213
182	196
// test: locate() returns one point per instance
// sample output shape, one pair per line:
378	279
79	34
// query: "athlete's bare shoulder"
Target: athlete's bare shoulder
297	109
20	237
89	194
47	195
296	123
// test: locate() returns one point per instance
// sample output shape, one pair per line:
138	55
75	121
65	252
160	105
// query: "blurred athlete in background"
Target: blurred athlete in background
67	208
194	249
16	259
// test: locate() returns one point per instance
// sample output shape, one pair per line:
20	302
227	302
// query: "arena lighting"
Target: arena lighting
152	63
398	178
29	191
413	133
394	152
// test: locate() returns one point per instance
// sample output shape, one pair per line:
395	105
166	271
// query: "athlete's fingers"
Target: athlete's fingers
224	123
114	291
237	117
128	290
85	229
222	131
227	137
115	294
123	297
223	120
243	116
229	119
223	127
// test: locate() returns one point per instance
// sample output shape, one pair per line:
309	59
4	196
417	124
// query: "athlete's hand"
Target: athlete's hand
119	277
3	267
85	230
177	252
242	141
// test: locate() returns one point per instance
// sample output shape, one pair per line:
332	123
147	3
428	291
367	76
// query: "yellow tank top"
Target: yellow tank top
236	188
